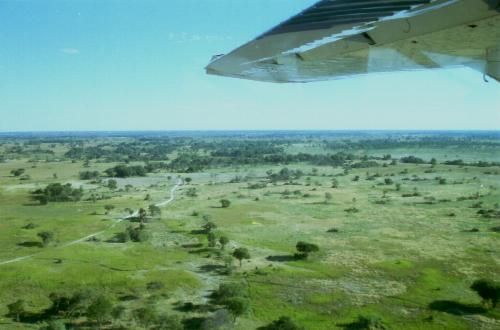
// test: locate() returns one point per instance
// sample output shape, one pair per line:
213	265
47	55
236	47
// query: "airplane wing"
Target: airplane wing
341	38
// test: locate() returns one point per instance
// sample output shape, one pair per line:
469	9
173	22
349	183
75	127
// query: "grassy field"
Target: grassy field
400	243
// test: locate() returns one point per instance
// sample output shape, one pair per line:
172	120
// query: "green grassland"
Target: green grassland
407	260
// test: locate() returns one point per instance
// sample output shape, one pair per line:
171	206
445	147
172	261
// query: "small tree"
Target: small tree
488	290
241	253
143	215
112	184
305	248
223	240
209	226
54	325
146	316
169	322
46	237
108	208
328	197
237	306
154	210
188	180
17	172
17	309
100	310
211	239
224	203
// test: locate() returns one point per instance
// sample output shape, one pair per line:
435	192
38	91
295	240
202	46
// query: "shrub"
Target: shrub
225	203
46	237
488	290
305	248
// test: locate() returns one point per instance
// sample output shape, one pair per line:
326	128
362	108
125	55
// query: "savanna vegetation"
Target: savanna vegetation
250	230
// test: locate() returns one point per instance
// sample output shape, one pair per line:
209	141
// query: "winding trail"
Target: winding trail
83	239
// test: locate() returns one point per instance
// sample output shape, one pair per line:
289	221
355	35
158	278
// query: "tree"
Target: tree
240	254
154	210
191	192
237	306
46	237
108	208
17	172
118	312
224	203
100	310
223	240
143	215
328	197
169	322
56	192
17	309
146	316
228	290
54	325
188	180
112	184
209	226
305	248
488	290
283	323
211	239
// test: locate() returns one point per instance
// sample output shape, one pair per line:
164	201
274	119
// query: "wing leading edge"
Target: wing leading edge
340	38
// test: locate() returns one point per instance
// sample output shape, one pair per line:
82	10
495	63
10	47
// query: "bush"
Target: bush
46	237
368	323
227	291
225	203
89	175
54	325
304	249
17	172
488	290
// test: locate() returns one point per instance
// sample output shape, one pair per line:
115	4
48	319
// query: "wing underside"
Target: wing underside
340	38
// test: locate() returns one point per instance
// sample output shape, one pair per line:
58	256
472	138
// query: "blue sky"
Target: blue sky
138	65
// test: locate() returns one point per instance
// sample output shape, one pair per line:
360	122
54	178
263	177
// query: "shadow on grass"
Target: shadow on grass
193	323
189	307
30	244
283	258
455	308
210	268
364	323
192	246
